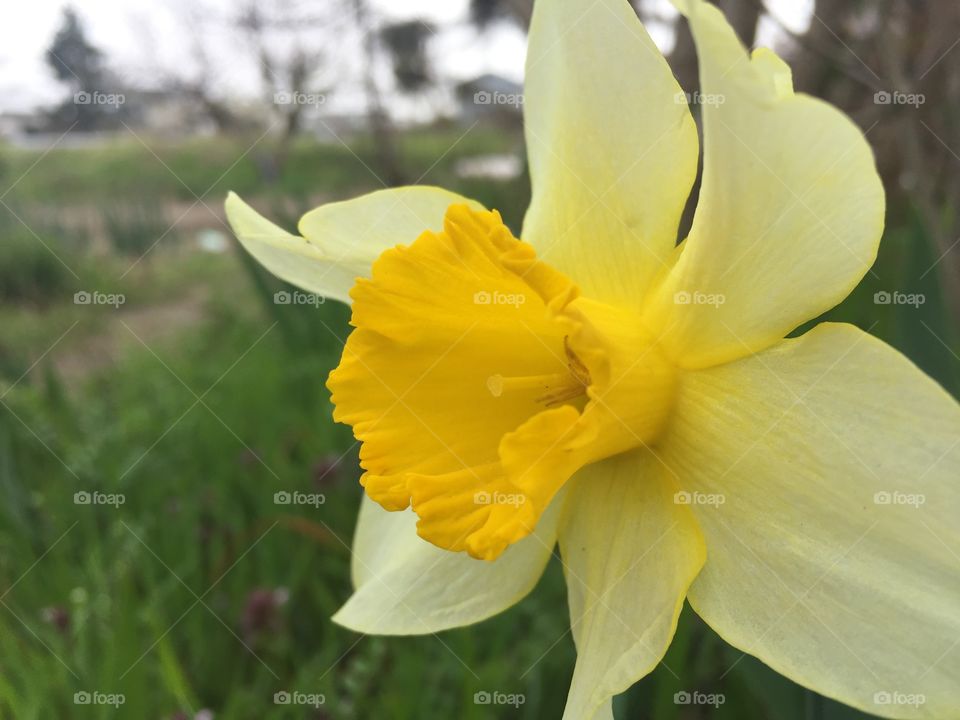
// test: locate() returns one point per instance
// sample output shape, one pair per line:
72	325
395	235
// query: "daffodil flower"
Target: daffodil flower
596	385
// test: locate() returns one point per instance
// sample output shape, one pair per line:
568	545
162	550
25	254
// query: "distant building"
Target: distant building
174	113
334	128
14	126
490	98
157	112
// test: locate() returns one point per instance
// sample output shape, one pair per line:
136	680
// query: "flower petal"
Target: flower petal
406	586
612	147
807	465
790	211
629	554
340	240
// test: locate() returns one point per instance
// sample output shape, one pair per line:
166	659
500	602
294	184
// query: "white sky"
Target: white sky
143	39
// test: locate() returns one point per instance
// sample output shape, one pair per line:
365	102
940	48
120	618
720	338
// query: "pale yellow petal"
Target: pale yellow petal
342	239
289	257
629	554
612	147
406	586
824	473
790	212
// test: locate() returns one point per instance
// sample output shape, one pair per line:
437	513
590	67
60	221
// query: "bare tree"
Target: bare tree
201	86
285	38
483	12
381	126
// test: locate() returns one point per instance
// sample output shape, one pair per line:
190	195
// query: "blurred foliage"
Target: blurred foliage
133	226
29	273
208	168
35	258
407	45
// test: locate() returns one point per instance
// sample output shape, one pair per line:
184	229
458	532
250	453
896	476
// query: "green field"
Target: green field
198	399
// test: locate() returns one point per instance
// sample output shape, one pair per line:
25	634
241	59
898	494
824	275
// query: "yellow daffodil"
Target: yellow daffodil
594	384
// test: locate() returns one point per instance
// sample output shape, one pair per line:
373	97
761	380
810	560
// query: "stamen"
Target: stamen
563	395
580	371
558	388
498	384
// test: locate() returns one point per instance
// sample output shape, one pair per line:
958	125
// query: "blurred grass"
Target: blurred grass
212	166
199	591
199	507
